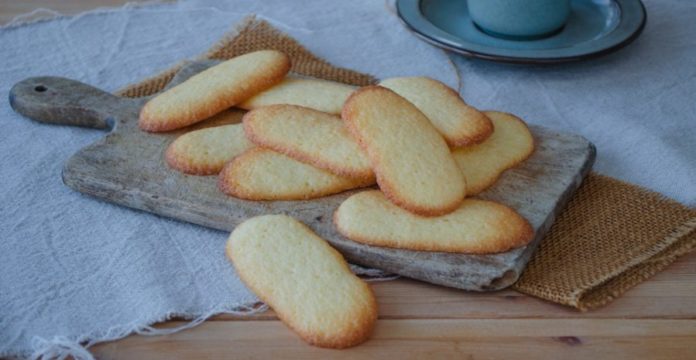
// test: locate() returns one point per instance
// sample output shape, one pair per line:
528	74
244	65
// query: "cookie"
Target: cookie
321	95
262	174
205	151
307	283
475	227
510	144
412	162
459	123
214	90
311	136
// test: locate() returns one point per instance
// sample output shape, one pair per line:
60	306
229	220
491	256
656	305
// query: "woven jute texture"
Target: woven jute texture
611	236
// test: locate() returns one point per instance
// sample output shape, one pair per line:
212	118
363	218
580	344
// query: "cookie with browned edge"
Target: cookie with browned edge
510	144
308	135
262	174
459	123
214	90
475	227
411	160
205	151
321	95
304	280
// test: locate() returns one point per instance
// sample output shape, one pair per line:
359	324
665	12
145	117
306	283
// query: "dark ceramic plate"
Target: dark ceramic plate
595	27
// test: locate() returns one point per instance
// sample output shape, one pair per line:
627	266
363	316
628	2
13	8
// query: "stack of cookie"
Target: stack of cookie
425	148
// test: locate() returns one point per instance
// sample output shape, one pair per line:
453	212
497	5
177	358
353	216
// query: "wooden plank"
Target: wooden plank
411	339
126	167
670	294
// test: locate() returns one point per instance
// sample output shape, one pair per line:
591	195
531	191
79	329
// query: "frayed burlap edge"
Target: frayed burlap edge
612	236
679	243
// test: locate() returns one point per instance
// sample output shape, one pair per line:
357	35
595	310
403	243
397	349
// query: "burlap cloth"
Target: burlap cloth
611	236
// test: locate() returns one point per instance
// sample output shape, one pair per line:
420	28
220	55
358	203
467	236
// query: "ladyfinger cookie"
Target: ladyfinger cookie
411	160
321	95
214	90
205	151
510	144
307	283
310	136
475	227
262	174
459	123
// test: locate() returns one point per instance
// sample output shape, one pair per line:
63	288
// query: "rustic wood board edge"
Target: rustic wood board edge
107	170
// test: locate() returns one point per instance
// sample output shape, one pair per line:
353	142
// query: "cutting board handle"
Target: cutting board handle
57	100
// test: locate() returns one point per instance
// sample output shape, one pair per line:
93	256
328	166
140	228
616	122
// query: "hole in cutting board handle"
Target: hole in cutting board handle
61	101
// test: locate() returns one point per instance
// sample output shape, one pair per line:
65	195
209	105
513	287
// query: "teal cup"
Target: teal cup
519	19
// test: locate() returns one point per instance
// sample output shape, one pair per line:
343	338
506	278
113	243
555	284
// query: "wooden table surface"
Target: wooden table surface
655	320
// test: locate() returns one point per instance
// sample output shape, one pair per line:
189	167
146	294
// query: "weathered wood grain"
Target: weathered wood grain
427	339
506	325
127	167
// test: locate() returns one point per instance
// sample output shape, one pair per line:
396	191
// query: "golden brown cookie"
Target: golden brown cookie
510	144
205	151
307	283
459	123
475	227
317	94
310	136
214	90
262	174
412	162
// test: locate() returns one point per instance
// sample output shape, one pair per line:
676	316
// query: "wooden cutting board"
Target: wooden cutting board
127	167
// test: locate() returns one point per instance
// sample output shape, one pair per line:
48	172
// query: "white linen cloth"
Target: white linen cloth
74	269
